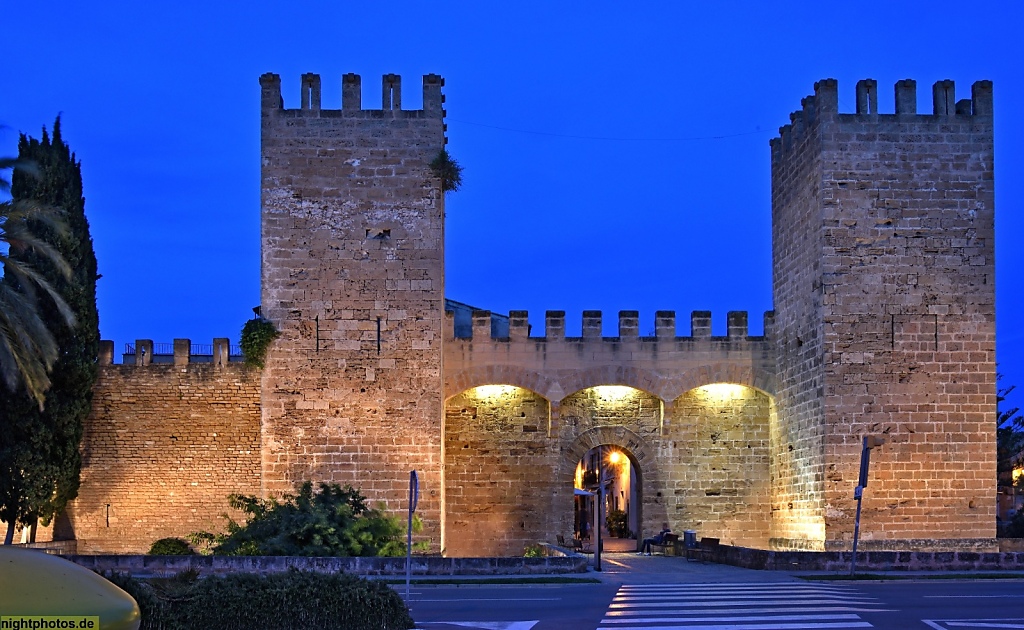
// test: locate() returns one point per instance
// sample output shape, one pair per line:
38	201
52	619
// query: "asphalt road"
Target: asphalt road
774	602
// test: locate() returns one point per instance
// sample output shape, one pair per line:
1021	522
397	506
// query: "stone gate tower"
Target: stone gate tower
353	277
884	293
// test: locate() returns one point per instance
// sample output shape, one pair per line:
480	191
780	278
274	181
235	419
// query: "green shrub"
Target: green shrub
332	521
171	547
616	521
256	337
156	611
445	168
281	601
294	600
1015	527
533	551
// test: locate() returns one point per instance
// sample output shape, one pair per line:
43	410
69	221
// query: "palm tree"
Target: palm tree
27	347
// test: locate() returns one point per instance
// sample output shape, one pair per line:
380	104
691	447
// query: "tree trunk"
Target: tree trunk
9	538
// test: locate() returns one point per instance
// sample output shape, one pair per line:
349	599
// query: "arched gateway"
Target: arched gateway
884	322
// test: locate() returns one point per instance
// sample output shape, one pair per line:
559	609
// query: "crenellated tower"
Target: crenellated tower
883	260
353	277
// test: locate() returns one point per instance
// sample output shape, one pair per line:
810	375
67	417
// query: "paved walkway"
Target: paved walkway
619	564
621	567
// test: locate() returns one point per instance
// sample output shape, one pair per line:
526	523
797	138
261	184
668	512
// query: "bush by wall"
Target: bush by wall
328	521
156	611
281	601
171	547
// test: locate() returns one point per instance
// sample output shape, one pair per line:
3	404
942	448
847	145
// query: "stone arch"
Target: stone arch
460	381
739	374
619	436
637	378
642	455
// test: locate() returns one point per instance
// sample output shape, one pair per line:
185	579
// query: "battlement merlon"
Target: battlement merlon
180	355
825	103
351	93
592	323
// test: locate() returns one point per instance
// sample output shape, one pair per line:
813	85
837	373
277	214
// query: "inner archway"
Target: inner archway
607	495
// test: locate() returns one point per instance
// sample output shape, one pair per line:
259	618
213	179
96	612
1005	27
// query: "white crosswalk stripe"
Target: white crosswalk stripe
746	606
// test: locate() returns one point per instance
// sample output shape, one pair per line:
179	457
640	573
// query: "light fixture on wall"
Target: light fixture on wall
723	391
614	392
493	391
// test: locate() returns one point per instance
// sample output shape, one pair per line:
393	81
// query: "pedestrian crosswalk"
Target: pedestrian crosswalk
747	606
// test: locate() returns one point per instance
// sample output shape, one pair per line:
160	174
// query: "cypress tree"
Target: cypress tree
40	460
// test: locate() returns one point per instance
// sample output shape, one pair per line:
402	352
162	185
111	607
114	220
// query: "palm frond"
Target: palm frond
27	347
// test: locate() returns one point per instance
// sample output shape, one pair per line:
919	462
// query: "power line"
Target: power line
609	138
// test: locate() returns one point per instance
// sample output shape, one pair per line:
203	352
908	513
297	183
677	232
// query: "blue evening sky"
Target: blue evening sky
616	154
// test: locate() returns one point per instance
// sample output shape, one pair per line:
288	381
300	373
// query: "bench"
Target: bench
575	544
708	549
668	544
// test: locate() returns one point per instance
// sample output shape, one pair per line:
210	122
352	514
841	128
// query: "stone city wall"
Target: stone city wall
163	448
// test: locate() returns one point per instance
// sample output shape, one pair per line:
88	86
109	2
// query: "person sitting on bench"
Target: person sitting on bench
645	547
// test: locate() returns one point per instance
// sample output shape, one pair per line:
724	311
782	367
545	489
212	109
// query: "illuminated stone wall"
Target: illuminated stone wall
884	266
164	447
715	457
353	277
504	488
798	463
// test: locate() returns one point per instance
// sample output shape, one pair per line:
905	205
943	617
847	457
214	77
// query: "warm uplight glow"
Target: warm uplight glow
615	457
1017	474
723	391
493	391
614	392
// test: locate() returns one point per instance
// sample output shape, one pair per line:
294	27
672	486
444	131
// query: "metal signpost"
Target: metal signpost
414	497
870	442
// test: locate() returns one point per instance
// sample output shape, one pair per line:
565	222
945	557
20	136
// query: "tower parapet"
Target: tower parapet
351	96
824	104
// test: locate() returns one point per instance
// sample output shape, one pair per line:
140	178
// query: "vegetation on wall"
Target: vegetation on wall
445	168
257	334
331	521
40	460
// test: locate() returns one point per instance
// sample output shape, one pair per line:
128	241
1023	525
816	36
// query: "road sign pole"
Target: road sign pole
858	494
870	442
414	497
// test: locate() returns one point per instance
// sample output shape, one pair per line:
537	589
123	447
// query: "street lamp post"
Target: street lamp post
600	505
